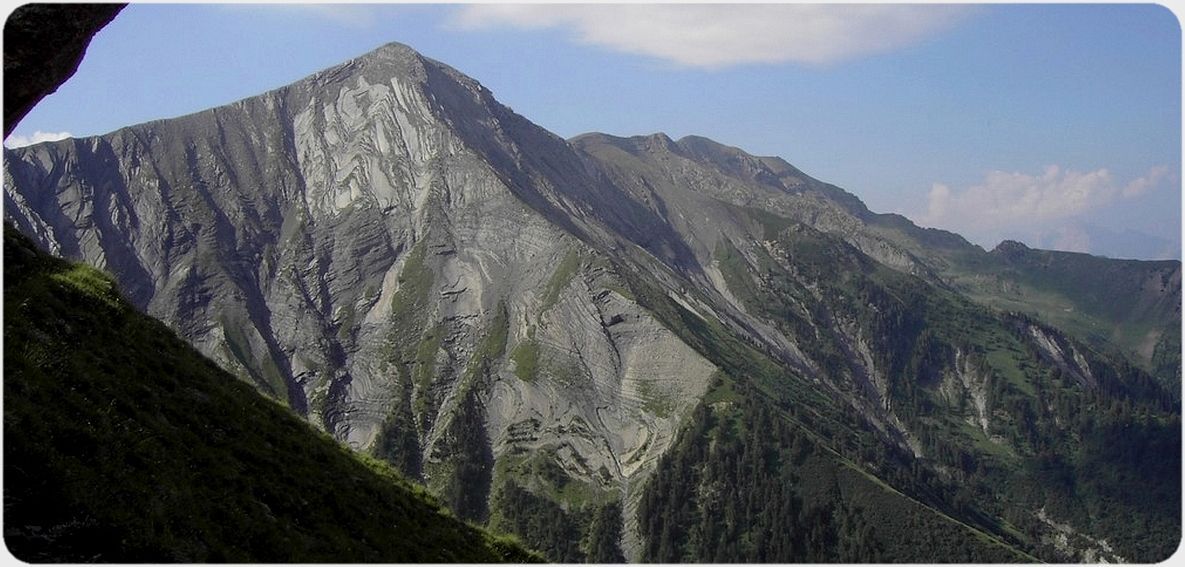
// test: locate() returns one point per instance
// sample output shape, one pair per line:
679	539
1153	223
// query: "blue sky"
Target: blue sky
1057	125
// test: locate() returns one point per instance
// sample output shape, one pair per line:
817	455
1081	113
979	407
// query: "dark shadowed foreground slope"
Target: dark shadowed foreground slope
123	444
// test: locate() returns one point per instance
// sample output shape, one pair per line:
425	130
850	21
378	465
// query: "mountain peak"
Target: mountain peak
398	57
1010	247
388	61
662	141
393	49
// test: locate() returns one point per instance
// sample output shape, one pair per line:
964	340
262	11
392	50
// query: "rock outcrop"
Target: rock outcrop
43	45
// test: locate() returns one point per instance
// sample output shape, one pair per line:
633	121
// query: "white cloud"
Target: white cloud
715	36
1012	205
1141	185
16	141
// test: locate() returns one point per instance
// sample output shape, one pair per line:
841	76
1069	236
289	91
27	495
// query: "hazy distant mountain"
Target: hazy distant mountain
1102	241
635	347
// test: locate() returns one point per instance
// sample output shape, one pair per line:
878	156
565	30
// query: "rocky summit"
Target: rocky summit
634	348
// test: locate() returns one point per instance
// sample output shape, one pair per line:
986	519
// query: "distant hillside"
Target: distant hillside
123	444
1132	306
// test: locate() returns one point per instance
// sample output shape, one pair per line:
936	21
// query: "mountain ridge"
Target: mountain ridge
431	278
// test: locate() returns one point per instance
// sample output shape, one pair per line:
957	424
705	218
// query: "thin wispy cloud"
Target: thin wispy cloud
1141	185
1007	204
718	36
17	141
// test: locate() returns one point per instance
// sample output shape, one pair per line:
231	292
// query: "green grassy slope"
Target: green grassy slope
1050	442
1048	430
123	444
1126	306
1128	302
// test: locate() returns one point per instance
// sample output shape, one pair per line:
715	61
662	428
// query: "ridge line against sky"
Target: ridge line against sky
1056	125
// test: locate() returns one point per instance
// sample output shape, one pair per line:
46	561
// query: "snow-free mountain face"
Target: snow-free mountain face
566	339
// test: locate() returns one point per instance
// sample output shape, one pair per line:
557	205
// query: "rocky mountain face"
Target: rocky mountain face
544	331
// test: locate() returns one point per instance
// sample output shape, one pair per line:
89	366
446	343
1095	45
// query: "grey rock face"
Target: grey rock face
350	243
